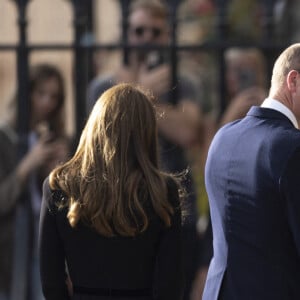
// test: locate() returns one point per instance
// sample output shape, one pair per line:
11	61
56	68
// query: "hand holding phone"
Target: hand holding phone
154	59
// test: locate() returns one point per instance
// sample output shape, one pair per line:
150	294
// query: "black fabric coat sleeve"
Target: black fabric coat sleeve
51	250
169	281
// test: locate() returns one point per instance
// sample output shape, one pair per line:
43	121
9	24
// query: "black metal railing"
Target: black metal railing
82	23
82	16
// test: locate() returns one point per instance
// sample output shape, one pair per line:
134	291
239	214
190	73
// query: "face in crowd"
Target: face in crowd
46	90
45	99
145	27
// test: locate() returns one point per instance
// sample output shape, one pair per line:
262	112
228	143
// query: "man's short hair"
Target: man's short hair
288	60
157	9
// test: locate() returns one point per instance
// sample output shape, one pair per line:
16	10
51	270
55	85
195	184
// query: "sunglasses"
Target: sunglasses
140	31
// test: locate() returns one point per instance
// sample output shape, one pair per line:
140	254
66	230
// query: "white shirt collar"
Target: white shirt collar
276	105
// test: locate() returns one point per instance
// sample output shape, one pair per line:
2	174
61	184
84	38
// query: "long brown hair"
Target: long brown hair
114	173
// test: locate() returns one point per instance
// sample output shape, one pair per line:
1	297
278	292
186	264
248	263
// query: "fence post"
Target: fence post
125	11
81	63
173	6
21	255
268	34
221	38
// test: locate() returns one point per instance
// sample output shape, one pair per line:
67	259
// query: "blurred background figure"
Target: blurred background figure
245	68
21	180
246	81
287	17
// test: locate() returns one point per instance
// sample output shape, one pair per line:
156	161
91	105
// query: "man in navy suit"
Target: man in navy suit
253	183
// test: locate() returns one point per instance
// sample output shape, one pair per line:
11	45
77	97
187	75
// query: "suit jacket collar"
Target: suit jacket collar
277	105
263	112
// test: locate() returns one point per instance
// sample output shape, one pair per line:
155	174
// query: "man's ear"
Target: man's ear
291	80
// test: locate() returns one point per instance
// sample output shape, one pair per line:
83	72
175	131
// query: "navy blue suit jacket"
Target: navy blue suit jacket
253	182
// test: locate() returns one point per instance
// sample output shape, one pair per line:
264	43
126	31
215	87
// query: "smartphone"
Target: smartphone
246	78
46	128
155	59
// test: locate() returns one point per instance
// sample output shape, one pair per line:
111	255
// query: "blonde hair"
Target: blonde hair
155	7
114	173
288	60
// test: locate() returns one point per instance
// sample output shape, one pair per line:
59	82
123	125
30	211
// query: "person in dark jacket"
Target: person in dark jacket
252	178
109	215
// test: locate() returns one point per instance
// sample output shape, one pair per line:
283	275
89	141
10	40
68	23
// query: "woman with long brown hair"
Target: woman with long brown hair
110	213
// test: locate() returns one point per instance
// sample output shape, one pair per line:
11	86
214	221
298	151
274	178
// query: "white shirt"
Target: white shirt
276	105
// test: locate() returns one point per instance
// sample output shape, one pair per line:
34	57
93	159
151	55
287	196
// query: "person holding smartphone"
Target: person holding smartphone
21	179
179	117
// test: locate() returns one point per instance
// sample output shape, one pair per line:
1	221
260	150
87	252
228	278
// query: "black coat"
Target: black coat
151	261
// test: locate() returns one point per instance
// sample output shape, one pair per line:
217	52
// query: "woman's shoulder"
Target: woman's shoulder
54	198
172	184
173	188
